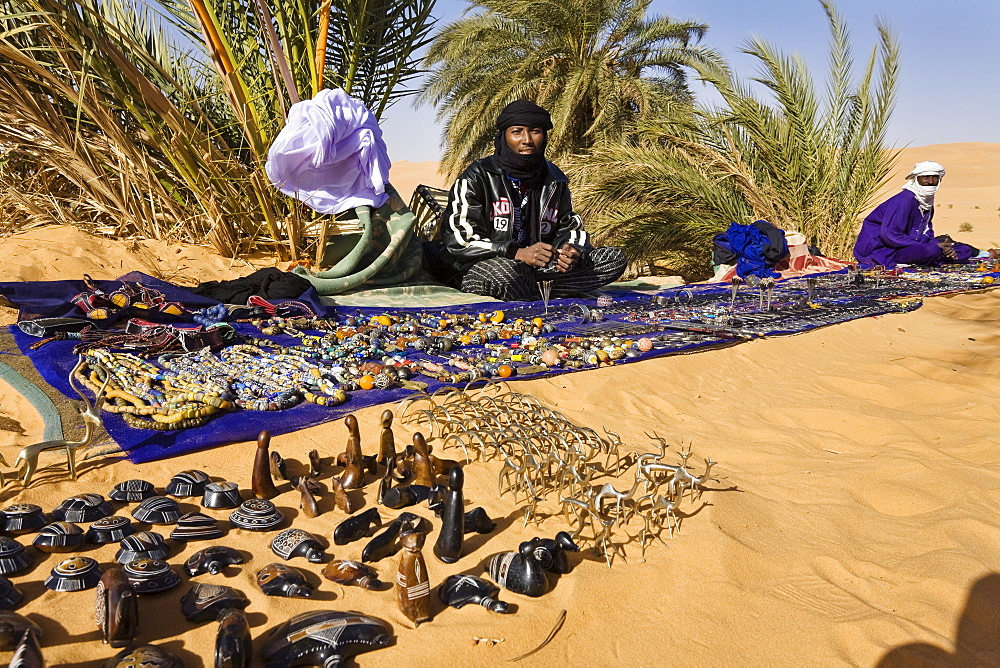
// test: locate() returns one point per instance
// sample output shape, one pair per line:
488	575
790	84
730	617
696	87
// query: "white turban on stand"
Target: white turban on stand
924	194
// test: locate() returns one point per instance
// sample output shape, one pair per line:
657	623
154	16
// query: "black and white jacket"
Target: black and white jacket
479	219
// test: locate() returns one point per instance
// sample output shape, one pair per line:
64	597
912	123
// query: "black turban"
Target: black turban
523	112
531	169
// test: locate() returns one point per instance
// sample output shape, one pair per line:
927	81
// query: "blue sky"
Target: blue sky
949	88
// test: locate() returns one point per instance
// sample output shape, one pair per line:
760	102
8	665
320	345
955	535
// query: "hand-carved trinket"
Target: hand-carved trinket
279	469
315	464
405	496
551	553
28	653
10	596
12	627
142	545
341	498
23	518
206	602
109	529
219	495
353	476
353	573
146	656
196	526
132	490
413	588
298	543
157	510
476	520
385	483
387	442
519	571
83	508
233	644
58	537
188	483
257	515
423	470
151	576
385	544
324	638
74	574
13	556
448	547
460	590
283	580
357	527
116	608
261	483
307	501
212	560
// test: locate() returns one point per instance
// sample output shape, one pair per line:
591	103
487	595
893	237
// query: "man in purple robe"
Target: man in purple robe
899	230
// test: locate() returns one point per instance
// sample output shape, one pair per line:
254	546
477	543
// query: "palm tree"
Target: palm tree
595	64
801	162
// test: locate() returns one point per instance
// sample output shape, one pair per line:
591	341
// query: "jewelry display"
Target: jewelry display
283	580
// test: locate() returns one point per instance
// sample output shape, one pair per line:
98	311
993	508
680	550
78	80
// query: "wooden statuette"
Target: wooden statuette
263	486
353	476
233	644
315	464
413	588
448	547
387	442
341	498
423	470
116	609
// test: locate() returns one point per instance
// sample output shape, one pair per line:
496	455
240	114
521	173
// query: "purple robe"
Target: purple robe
896	232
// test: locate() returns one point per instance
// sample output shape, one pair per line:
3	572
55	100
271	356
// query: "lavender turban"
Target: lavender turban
330	154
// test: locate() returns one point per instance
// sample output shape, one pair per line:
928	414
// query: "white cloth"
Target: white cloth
330	154
924	194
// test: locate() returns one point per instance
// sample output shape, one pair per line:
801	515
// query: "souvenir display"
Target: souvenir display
460	590
341	498
477	521
451	537
519	571
298	543
83	508
307	499
58	537
212	560
142	545
551	553
13	557
387	442
74	574
233	643
146	656
423	470
386	544
196	526
221	495
413	589
353	476
132	490
315	464
150	576
116	609
109	529
12	627
357	527
28	653
157	510
23	518
353	573
324	638
10	596
257	515
283	580
206	602
279	469
187	484
261	482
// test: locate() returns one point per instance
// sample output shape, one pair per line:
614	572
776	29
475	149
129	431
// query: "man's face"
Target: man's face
928	180
524	140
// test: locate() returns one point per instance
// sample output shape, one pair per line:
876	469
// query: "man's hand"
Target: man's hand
948	250
568	256
536	255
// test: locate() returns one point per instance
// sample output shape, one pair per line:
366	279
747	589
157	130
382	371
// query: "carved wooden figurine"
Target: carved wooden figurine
315	464
233	644
357	527
279	469
387	442
353	476
448	547
116	610
341	498
263	486
307	502
413	588
423	470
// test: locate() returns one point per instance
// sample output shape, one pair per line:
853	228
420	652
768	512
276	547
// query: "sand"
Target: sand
855	513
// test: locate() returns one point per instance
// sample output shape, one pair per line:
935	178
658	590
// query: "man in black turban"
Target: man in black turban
509	222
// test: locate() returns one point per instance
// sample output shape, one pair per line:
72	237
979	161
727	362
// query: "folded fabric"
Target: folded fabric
330	154
754	248
269	283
